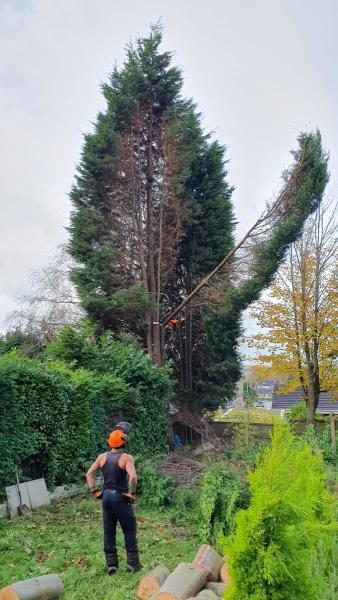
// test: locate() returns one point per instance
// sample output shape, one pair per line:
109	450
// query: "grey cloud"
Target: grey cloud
260	71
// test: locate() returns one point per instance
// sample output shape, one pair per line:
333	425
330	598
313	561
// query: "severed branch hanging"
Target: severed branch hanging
279	225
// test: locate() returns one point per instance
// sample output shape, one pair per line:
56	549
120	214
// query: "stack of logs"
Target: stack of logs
204	579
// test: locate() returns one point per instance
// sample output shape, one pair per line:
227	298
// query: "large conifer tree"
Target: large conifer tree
152	211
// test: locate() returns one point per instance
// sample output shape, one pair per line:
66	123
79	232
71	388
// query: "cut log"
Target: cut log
224	576
183	583
217	588
8	594
204	595
46	587
151	583
208	559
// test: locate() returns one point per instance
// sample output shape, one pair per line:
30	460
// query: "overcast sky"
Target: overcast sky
260	71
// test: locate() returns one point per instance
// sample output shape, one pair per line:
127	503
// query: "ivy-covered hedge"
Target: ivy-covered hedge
55	416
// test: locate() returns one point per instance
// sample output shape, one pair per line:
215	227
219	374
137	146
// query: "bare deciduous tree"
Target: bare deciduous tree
52	302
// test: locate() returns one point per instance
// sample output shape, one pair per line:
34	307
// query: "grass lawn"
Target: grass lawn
66	538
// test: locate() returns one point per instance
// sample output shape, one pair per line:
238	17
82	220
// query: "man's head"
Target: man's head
118	436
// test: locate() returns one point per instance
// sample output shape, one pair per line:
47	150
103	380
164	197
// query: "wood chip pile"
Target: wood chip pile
204	579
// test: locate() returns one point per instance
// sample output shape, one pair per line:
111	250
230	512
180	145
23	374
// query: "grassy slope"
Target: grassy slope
66	538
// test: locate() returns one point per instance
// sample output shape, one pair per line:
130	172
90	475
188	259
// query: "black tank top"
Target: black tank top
114	477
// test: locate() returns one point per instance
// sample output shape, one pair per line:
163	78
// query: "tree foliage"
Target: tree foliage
275	552
222	493
29	344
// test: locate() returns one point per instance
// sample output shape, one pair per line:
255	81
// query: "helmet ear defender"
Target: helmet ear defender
117	439
119	434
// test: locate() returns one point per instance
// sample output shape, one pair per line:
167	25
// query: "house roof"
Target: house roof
287	401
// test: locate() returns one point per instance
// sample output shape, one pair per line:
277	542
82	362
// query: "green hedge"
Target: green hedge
52	419
55	417
150	386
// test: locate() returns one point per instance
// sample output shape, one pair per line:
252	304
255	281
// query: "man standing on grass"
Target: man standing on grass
117	496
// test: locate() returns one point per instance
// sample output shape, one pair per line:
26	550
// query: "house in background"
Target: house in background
284	402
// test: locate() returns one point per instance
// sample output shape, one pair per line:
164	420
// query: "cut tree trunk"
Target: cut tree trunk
46	587
206	595
208	559
217	588
224	574
151	583
183	583
8	594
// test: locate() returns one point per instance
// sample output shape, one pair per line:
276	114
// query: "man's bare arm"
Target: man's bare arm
130	468
93	469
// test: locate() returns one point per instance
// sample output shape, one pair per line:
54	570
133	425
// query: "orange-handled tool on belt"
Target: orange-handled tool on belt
130	496
96	492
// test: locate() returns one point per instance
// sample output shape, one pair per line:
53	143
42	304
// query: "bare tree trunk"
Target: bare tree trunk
296	323
158	282
139	224
312	395
139	218
188	334
316	307
154	325
188	348
311	404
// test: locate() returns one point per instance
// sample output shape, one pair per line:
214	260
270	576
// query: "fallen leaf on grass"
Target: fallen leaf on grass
81	561
42	557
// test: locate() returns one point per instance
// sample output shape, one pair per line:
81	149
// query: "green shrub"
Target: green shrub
222	493
278	537
245	446
298	412
185	507
320	440
155	490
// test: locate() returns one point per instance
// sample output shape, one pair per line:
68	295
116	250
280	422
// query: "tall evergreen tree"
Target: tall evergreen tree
152	210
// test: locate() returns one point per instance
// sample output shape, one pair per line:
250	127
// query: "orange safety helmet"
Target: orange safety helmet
117	439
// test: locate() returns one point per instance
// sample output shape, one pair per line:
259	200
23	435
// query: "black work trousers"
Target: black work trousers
118	509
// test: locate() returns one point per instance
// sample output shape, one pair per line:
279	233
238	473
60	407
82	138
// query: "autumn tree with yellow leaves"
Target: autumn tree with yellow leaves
299	315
